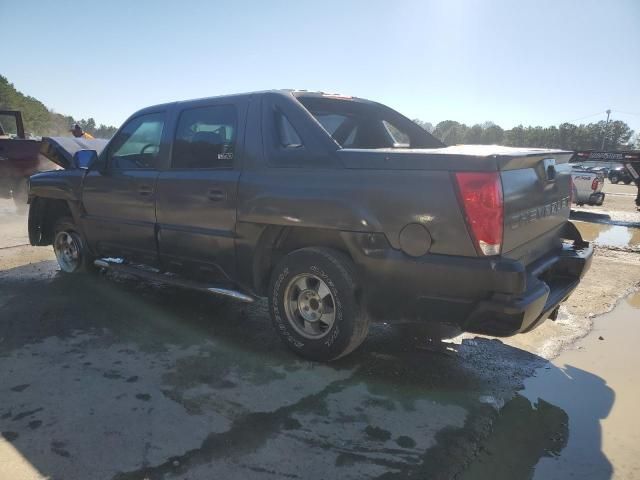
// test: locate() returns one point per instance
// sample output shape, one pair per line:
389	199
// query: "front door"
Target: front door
119	198
196	196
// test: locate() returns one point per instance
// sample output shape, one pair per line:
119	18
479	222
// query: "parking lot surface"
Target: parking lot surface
108	377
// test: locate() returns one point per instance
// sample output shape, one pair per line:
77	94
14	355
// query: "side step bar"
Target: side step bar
117	264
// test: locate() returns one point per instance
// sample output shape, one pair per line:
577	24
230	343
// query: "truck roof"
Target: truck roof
284	91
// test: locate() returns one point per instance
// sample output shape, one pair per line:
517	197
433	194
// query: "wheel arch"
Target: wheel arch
43	215
276	241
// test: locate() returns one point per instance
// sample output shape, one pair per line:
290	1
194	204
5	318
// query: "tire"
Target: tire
614	179
627	182
70	248
332	326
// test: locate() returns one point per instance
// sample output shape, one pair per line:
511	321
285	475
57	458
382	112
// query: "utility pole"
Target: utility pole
604	134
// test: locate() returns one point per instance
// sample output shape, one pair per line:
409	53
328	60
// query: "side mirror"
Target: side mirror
85	159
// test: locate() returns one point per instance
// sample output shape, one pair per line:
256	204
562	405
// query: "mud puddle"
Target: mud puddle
610	235
568	421
604	423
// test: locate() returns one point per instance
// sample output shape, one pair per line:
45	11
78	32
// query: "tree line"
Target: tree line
567	136
41	121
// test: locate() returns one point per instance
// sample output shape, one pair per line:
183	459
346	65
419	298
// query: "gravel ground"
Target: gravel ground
107	377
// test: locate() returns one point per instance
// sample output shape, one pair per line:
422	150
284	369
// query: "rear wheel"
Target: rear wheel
314	306
627	182
614	178
70	248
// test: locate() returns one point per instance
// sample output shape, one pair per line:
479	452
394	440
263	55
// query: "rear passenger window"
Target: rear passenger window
205	138
288	136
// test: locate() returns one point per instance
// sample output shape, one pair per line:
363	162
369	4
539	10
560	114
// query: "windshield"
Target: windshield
358	124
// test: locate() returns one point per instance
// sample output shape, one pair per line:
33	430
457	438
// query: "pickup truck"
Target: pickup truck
620	174
339	210
587	186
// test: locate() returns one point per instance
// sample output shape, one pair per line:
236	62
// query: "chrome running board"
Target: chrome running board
118	265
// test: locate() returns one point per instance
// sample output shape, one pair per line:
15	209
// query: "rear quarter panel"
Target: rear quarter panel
357	200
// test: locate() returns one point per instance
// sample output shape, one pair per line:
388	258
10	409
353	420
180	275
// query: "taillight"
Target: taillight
594	184
481	195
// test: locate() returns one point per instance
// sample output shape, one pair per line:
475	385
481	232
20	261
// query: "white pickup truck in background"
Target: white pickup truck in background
587	186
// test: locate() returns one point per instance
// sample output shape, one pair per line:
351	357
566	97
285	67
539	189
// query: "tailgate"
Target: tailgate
536	190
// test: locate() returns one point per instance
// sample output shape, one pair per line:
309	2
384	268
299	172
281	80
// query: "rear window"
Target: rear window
366	125
205	137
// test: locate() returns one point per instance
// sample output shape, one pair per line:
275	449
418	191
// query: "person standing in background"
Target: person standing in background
79	133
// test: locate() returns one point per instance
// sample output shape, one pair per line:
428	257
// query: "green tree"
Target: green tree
473	135
450	132
492	134
617	135
515	137
38	119
426	125
567	136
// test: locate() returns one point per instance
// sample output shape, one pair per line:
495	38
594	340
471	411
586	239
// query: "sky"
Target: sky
531	62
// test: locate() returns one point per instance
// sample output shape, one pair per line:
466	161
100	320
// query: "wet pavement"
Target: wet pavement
106	377
610	235
597	384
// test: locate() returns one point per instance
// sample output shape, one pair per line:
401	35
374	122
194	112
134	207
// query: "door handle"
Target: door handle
145	190
216	195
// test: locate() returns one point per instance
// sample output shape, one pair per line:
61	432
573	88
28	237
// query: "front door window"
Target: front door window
137	144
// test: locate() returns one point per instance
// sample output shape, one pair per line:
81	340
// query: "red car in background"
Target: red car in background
21	157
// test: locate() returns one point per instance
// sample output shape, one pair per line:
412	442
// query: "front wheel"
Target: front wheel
70	248
614	179
314	305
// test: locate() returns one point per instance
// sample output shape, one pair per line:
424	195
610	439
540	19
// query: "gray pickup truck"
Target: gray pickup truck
338	209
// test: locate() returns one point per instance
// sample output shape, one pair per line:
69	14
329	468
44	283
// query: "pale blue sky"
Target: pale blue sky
536	62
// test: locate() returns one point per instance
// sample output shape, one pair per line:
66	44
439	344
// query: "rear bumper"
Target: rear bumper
493	296
550	281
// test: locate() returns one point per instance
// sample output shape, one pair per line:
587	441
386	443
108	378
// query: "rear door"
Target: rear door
196	198
119	200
